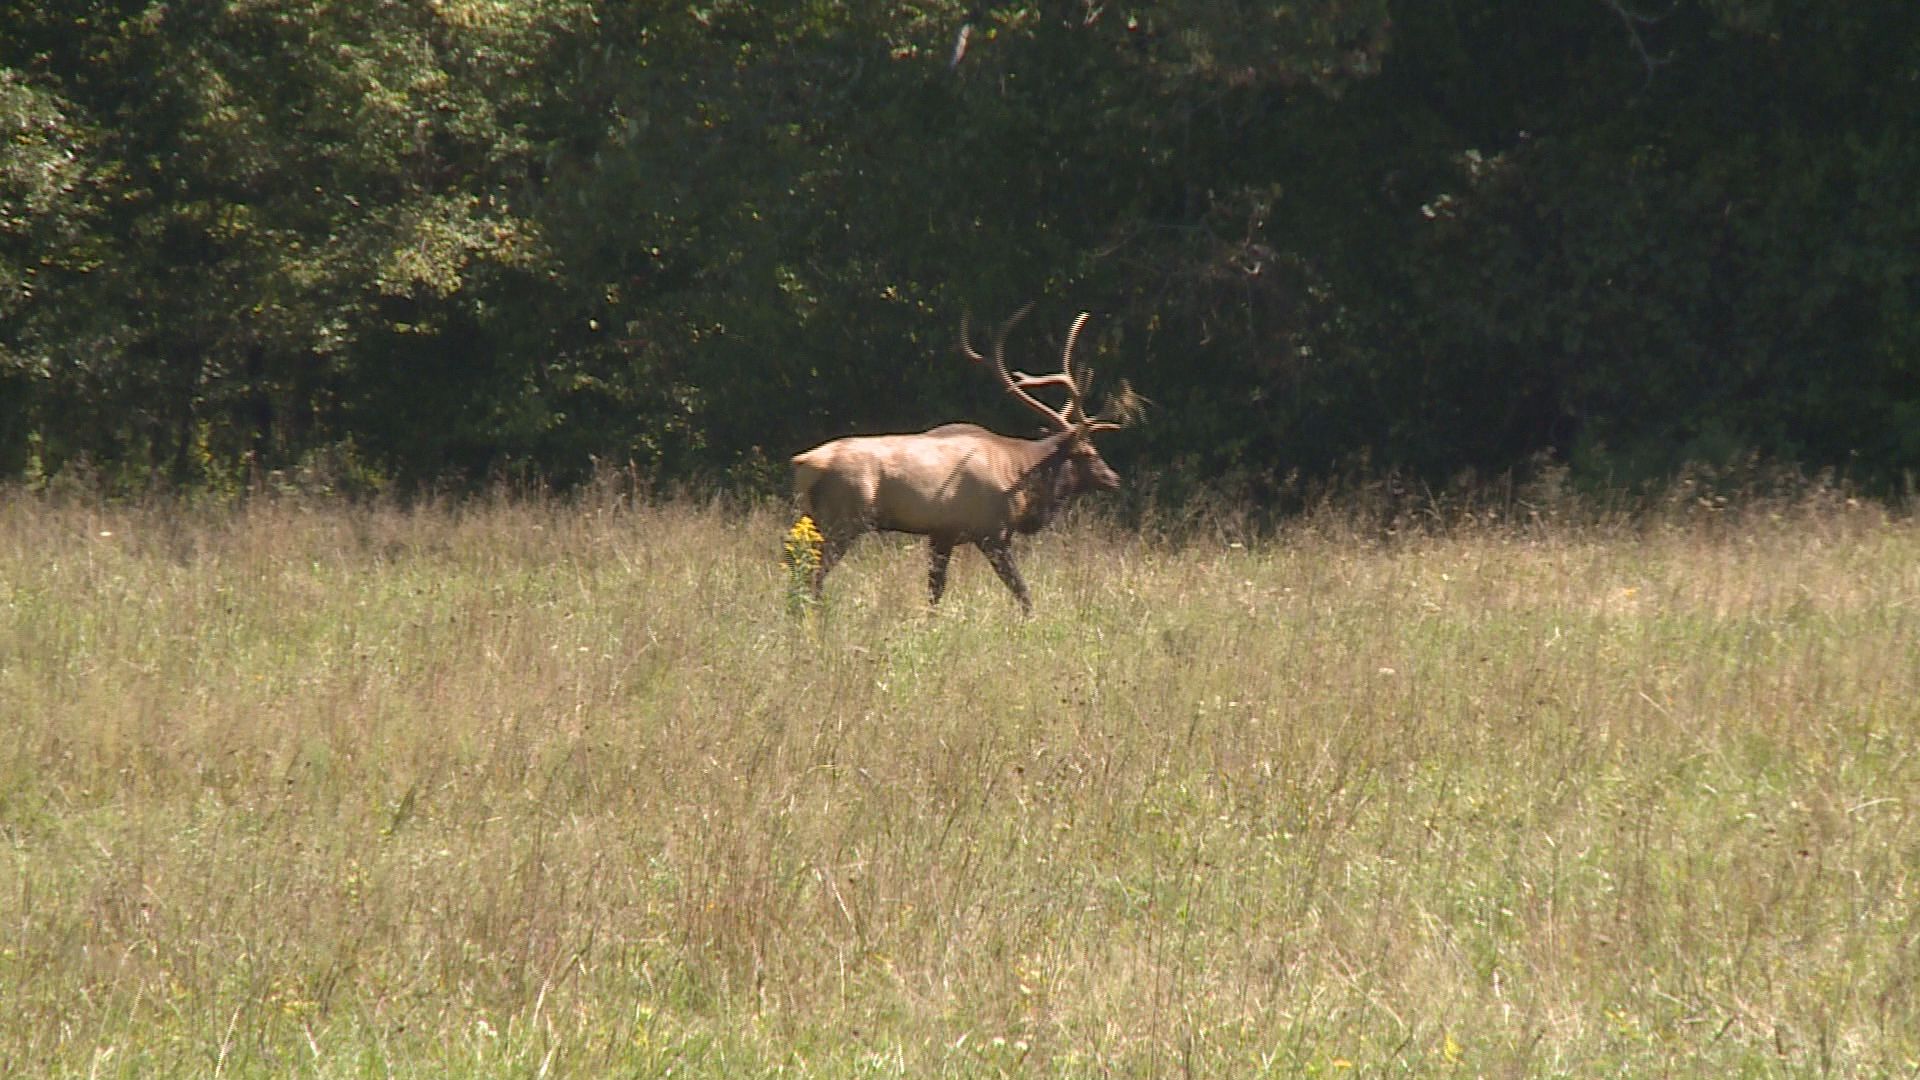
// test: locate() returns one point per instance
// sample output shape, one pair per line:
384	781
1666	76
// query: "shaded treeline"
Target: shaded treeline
393	243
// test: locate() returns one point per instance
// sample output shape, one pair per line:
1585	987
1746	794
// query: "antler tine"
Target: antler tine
966	347
1076	384
1121	411
1013	320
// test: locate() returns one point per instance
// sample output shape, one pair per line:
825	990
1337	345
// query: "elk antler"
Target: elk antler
1122	410
1019	382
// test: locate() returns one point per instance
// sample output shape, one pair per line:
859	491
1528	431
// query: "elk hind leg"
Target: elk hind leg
831	550
999	553
834	506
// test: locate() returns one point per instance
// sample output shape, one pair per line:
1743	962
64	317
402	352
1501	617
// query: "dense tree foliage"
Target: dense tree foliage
413	242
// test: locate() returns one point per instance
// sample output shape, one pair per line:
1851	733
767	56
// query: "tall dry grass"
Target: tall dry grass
547	788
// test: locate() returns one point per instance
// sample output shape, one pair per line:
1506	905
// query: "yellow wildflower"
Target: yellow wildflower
802	560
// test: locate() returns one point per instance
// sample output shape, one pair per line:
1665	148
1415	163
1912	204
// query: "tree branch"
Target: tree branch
1633	21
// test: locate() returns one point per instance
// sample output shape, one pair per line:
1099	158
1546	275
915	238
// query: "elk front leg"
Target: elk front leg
939	551
1000	554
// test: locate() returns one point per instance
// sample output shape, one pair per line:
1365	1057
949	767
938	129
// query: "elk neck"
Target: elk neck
1045	482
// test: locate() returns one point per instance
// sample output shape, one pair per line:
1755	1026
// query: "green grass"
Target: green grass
540	788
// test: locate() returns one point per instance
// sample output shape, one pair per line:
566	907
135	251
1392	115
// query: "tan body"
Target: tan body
955	484
958	483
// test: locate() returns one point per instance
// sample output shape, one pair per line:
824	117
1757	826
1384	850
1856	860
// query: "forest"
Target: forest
368	245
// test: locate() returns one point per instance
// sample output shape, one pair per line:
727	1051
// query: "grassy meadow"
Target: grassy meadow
572	788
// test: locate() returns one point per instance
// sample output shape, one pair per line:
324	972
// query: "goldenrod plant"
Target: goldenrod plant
801	557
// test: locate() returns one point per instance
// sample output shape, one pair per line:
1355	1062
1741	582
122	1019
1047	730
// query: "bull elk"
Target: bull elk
960	483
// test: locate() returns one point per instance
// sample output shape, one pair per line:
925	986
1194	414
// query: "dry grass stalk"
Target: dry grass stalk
558	788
